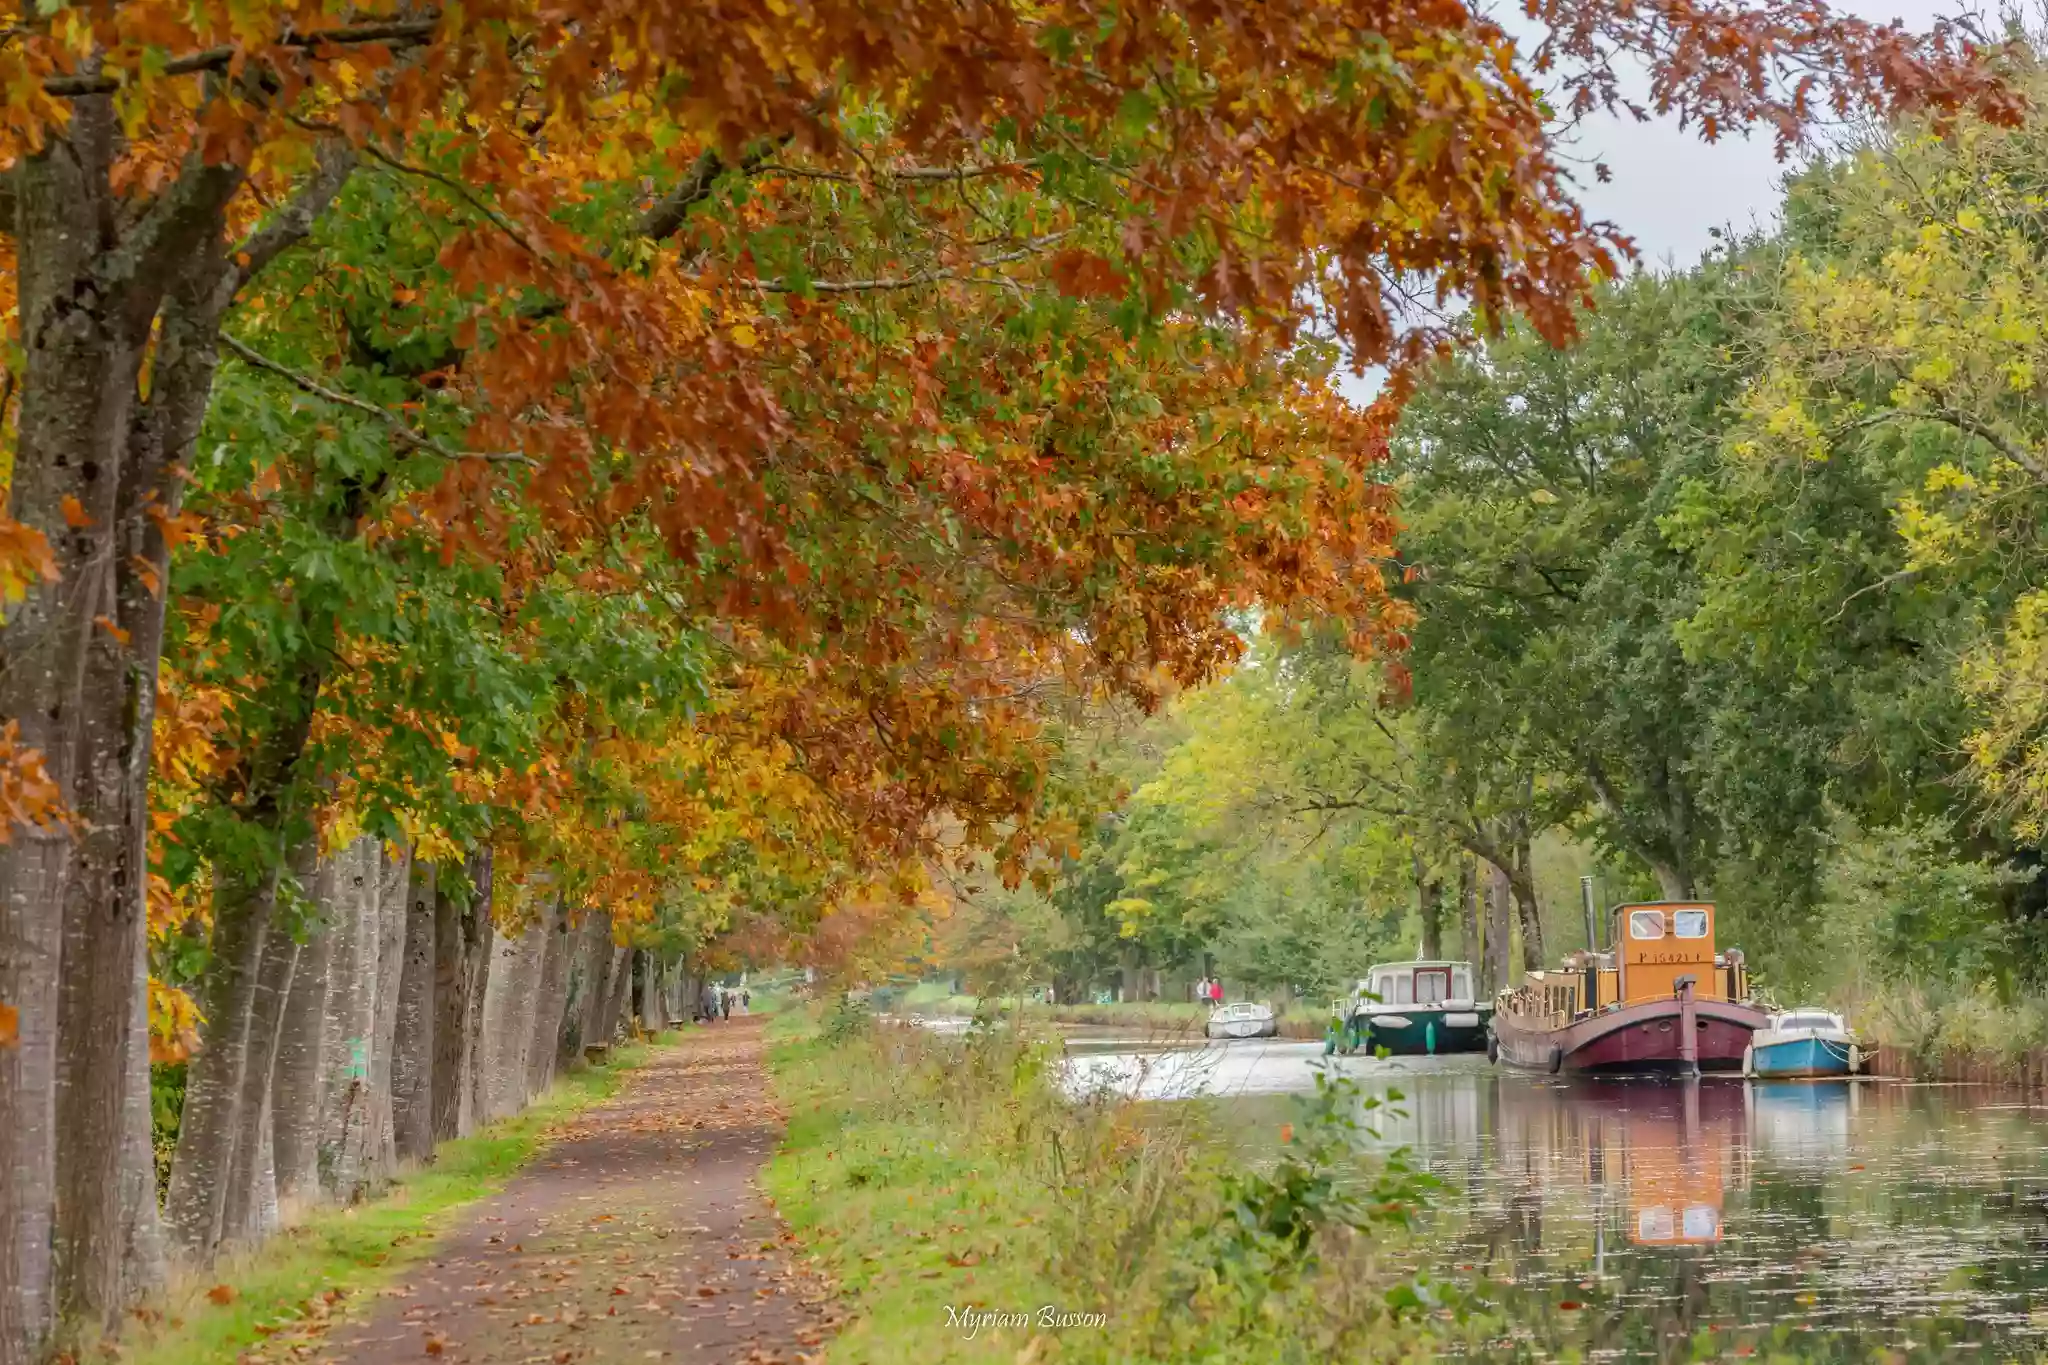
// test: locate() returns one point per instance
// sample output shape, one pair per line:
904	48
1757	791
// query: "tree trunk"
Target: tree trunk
1523	883
412	1048
215	1078
451	1007
618	989
394	910
479	936
1429	891
353	1108
544	1049
587	994
104	940
1468	909
108	1240
143	1258
1674	883
1498	932
513	989
302	1067
249	1213
653	1017
79	364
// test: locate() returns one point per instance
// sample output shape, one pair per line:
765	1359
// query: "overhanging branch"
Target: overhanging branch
397	32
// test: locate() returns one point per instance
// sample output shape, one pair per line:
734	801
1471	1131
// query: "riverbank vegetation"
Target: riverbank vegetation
1740	597
936	1178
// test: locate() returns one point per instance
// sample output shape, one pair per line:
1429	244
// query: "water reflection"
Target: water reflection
1665	1220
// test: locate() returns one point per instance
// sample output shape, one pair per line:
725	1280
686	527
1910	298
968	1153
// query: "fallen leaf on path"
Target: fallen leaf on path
222	1294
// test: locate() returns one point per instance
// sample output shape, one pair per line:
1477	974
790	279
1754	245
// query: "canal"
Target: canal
1661	1220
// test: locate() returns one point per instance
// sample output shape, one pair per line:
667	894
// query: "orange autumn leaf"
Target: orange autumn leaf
75	515
222	1294
10	1025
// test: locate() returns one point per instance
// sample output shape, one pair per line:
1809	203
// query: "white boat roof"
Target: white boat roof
1419	962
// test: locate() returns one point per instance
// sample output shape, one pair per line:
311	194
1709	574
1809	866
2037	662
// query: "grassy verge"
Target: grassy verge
300	1279
942	1180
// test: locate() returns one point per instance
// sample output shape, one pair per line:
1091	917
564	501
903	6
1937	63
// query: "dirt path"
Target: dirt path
638	1235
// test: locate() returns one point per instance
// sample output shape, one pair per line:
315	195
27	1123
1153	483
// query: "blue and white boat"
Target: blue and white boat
1803	1043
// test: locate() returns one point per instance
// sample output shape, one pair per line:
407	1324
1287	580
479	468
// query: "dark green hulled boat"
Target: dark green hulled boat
1413	1009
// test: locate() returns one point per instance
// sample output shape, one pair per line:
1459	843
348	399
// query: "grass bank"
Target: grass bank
296	1283
1955	1034
970	1213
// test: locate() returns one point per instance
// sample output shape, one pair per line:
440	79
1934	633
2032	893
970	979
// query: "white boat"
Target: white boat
1246	1020
1803	1043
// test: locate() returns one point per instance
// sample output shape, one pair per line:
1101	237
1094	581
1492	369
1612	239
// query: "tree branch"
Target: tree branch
400	432
399	32
335	161
1966	423
915	278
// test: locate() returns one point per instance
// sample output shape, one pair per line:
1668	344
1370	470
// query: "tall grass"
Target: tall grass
935	1175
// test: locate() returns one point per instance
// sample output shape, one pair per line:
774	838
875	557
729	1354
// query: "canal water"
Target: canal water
1661	1220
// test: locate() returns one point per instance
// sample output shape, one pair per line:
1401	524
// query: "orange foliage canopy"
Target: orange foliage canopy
958	350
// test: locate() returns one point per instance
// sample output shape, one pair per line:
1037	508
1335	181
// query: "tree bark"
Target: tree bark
587	989
619	990
349	1020
1498	932
249	1214
412	1048
479	936
394	910
80	359
544	1049
451	1006
210	1121
1468	909
511	990
143	1258
1429	892
301	1067
1523	882
653	1018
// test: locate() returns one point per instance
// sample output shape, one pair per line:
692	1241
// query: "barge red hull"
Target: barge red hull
1642	1037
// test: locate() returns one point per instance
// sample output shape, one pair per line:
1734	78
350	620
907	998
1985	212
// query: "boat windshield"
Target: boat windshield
1646	924
1814	1020
1461	984
1433	987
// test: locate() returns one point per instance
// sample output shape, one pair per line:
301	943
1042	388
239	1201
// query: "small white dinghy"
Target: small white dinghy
1246	1020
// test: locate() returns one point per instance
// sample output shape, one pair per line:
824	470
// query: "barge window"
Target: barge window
1461	985
1689	924
1646	924
1432	988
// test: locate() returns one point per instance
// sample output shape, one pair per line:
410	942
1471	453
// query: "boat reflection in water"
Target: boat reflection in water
1676	1219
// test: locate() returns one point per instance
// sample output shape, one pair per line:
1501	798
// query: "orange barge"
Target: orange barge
1662	1001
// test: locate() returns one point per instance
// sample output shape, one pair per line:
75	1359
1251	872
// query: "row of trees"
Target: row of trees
589	478
1736	597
